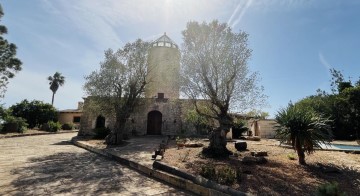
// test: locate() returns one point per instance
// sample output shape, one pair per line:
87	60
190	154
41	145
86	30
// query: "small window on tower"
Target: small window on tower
160	95
161	44
167	44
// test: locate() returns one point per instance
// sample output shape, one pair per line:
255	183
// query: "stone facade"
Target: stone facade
163	72
161	112
262	128
71	115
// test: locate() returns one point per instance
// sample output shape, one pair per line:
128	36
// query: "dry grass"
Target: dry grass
280	176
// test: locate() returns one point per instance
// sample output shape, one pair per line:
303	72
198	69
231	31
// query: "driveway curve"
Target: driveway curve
51	165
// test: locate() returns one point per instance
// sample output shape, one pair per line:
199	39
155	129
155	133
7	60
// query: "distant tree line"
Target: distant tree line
342	106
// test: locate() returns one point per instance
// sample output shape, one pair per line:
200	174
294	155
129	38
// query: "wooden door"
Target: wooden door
154	123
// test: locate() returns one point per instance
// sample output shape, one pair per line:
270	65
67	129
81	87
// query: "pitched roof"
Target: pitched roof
165	41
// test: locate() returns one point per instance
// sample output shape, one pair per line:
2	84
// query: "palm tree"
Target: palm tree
303	128
55	81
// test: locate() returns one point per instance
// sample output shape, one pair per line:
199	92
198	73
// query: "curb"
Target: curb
197	179
196	186
35	134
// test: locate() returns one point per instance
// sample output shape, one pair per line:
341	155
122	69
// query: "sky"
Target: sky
294	42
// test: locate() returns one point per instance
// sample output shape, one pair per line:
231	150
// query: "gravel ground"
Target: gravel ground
280	176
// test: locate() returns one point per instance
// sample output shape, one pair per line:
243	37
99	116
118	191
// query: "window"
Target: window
76	119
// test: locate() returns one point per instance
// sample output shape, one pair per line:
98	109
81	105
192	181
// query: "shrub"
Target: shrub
51	126
226	175
101	133
291	156
67	126
15	124
209	172
329	189
35	112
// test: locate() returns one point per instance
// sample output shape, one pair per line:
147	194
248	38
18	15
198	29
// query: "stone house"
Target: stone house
71	115
161	112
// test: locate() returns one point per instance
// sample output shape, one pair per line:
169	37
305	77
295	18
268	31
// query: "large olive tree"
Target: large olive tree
116	87
214	68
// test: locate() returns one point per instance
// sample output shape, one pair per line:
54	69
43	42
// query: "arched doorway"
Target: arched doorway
154	123
100	122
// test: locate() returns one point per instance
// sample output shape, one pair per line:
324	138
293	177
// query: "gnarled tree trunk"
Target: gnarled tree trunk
217	146
116	135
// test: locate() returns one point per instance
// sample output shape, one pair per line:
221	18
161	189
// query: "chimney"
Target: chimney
80	105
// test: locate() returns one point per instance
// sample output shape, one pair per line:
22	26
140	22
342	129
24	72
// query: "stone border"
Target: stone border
180	179
35	134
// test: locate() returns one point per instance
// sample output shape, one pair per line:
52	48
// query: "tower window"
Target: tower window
160	95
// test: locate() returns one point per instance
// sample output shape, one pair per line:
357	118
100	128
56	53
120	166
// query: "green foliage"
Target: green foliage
201	123
67	126
291	156
223	175
303	128
9	64
35	112
226	175
258	114
116	87
239	127
342	106
15	124
209	172
53	126
329	189
101	133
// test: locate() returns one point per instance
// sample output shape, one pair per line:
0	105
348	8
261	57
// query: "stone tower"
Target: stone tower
163	69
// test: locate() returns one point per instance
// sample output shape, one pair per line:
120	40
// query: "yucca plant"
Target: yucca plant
304	129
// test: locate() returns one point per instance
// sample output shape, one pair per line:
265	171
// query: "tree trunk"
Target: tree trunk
300	152
116	135
217	146
52	100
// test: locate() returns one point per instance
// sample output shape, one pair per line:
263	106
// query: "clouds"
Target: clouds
33	85
324	62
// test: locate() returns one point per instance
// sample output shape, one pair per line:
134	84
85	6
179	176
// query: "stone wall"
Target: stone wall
264	129
173	117
68	117
163	72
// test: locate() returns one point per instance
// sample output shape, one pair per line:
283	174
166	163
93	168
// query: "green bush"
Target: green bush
35	112
329	189
52	126
101	133
14	124
226	175
67	126
209	172
291	156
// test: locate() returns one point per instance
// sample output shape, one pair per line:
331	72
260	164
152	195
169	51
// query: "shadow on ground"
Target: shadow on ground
75	173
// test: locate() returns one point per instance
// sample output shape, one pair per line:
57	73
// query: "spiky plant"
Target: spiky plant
305	130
